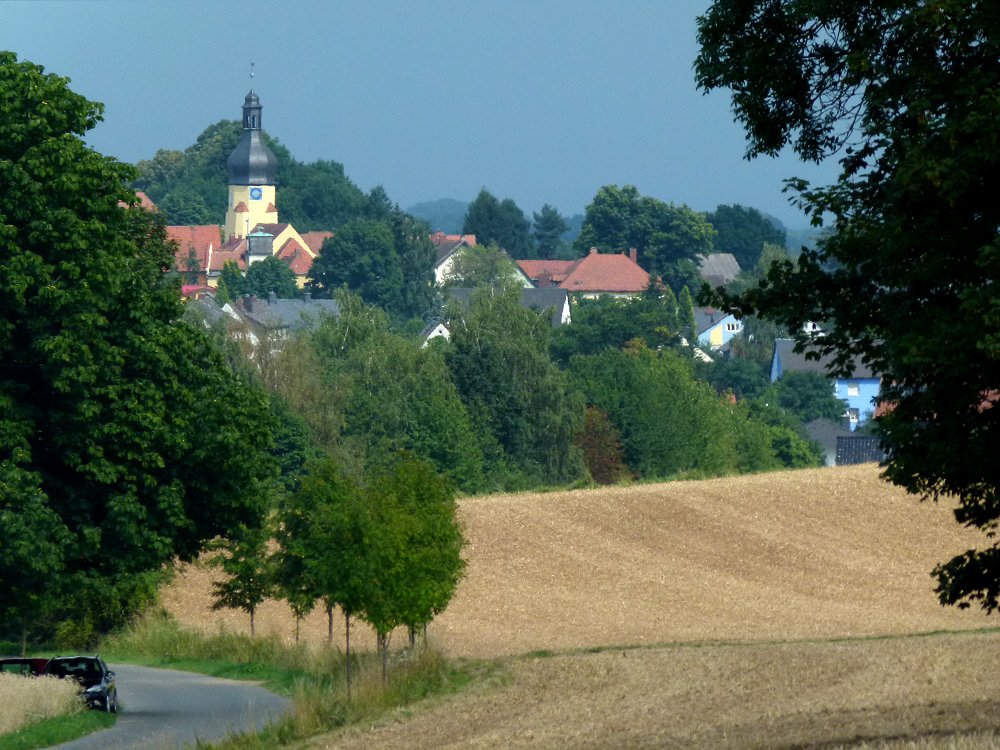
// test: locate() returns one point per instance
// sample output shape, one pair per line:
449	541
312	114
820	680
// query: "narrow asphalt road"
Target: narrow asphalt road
163	709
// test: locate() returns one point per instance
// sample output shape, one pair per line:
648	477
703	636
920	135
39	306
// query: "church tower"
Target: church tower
253	169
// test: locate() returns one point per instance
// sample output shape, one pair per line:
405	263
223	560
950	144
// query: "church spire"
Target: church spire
253	170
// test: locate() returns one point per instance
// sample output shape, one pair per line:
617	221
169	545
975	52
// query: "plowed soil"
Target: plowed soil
738	589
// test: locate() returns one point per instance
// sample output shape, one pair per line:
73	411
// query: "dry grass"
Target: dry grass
26	700
773	565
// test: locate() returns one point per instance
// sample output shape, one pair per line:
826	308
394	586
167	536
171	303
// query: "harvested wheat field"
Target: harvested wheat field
728	600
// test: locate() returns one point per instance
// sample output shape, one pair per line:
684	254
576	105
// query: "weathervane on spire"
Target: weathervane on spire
251	72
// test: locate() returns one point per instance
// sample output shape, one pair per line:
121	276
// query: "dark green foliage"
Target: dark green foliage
120	427
361	256
521	405
400	397
744	378
387	260
549	227
743	232
907	94
808	396
611	322
498	222
670	423
267	276
191	186
668	238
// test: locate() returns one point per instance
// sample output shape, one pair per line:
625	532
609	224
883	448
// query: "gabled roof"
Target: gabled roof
791	361
447	244
553	271
289	314
235	250
314	240
612	273
708	317
718	269
298	258
198	238
552	299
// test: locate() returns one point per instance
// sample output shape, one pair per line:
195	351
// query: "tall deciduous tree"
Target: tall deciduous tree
520	401
270	275
668	238
120	427
907	93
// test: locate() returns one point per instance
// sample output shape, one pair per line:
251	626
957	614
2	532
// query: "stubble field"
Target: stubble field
776	610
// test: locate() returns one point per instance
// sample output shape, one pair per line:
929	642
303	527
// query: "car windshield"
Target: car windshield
79	668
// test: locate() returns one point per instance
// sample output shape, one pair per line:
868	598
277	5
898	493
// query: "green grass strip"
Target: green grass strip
57	730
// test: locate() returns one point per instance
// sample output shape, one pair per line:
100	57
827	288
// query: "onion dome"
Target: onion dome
252	162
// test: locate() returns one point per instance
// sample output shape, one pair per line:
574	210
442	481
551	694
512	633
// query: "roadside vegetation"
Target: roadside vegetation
313	676
42	712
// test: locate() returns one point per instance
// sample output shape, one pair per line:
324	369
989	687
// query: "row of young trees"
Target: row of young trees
388	553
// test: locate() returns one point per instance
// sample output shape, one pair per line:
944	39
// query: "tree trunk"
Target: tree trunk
252	611
383	645
347	637
329	623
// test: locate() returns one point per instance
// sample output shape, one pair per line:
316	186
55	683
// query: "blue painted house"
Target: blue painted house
859	390
715	327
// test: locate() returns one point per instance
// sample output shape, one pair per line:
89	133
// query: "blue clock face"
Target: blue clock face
256	193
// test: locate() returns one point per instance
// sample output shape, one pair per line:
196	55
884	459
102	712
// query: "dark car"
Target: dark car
97	682
23	665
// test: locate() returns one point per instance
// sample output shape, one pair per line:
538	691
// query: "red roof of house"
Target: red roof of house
235	250
315	240
198	238
296	256
556	270
614	273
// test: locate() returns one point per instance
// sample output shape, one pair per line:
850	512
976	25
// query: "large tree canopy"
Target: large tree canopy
124	441
498	222
909	94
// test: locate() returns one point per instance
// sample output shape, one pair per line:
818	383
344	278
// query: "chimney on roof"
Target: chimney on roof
544	279
307	297
633	255
272	297
247	301
593	251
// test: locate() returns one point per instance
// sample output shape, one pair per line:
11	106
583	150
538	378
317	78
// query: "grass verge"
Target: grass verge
314	677
55	731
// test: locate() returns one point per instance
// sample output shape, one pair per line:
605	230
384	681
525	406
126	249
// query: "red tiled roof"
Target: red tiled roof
593	273
198	238
557	270
440	238
315	240
144	202
606	273
235	250
296	256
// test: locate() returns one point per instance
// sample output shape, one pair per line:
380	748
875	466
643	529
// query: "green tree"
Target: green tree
249	580
808	396
361	256
401	397
498	222
269	275
743	232
481	265
521	404
120	424
668	238
906	92
549	227
612	322
418	550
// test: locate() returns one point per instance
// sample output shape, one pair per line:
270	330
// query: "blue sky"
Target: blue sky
542	102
